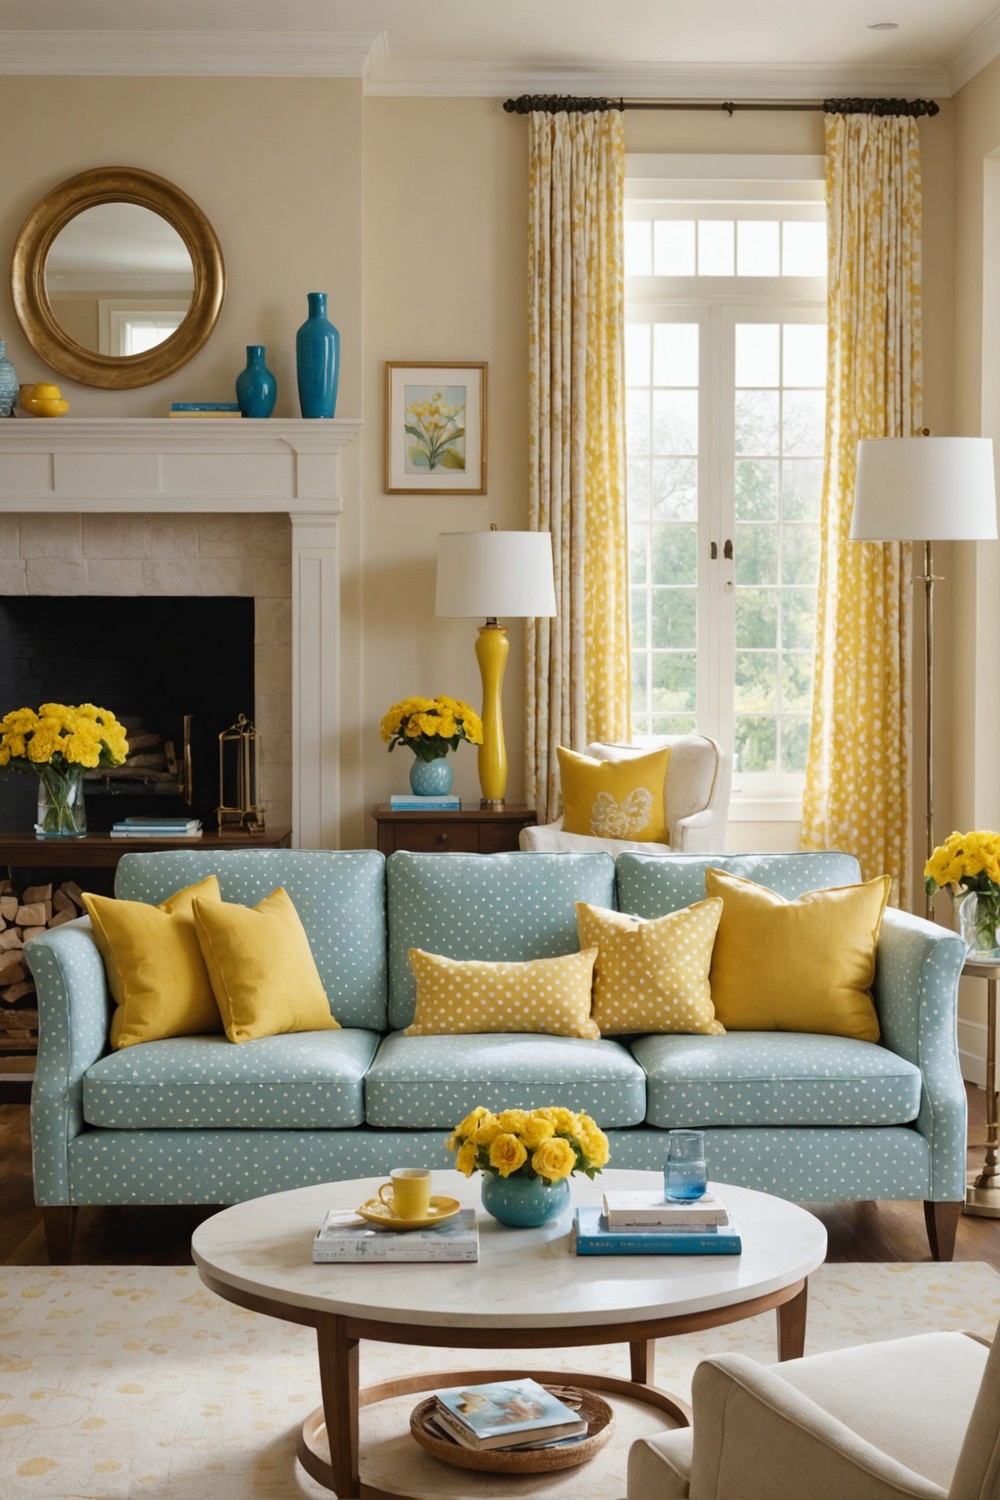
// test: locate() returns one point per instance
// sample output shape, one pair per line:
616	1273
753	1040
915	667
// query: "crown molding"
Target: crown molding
975	53
300	54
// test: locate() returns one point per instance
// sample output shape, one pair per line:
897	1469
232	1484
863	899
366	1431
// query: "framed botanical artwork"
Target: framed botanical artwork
435	429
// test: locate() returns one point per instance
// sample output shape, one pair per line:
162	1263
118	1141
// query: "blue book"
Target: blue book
204	406
407	802
591	1236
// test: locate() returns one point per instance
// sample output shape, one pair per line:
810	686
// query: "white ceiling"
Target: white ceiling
664	48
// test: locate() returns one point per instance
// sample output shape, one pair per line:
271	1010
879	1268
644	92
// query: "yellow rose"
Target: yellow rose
470	1122
593	1143
538	1128
465	1160
507	1154
554	1159
563	1119
513	1121
486	1131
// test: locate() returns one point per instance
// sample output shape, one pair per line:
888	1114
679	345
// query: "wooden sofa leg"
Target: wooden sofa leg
59	1226
941	1219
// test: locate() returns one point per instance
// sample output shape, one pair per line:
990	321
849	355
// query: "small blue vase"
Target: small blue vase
431	778
317	360
256	387
524	1202
8	383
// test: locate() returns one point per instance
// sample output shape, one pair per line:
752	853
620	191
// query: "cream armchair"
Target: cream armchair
696	800
907	1419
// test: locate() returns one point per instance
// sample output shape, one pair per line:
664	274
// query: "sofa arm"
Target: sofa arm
74	1016
699	833
552	838
917	969
756	1437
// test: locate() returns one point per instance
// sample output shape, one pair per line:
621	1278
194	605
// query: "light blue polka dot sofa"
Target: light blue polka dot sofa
200	1120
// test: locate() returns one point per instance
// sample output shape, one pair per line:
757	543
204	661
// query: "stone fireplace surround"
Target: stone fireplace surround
105	506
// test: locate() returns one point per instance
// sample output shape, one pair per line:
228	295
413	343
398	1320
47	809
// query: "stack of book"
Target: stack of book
512	1414
648	1224
156	827
205	409
409	802
341	1237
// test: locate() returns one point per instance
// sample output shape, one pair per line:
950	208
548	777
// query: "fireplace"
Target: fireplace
176	671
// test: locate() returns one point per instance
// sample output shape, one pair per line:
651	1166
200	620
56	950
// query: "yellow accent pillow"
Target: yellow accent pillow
615	799
803	965
155	970
262	969
550	995
652	976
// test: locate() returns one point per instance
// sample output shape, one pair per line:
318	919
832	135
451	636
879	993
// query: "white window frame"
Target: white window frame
712	187
114	315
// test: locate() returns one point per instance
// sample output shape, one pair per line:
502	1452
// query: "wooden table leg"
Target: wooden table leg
338	1378
642	1358
792	1325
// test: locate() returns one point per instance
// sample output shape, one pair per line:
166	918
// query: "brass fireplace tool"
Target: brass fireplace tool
239	777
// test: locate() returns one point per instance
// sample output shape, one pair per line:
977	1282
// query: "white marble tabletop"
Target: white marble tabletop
525	1277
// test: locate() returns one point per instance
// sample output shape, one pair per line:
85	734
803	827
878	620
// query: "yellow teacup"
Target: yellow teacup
410	1190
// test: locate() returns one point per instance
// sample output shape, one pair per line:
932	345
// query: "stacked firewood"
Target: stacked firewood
23	916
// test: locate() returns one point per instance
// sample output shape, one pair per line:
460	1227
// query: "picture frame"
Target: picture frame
435	428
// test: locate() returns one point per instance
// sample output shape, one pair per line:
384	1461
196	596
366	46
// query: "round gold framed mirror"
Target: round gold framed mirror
117	259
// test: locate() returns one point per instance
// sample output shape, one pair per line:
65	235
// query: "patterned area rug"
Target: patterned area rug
124	1382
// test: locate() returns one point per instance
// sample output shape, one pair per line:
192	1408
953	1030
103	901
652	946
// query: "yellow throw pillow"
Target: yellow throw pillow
550	995
262	969
803	965
652	976
615	799
155	970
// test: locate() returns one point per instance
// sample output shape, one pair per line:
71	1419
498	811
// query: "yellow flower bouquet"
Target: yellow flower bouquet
59	742
430	727
533	1152
968	864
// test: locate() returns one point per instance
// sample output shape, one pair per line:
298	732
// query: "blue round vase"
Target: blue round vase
524	1202
8	383
317	360
431	778
256	387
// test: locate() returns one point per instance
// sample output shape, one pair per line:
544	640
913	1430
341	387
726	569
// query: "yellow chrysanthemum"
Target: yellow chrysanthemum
507	1154
554	1159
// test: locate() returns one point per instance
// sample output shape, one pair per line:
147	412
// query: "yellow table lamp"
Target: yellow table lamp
494	573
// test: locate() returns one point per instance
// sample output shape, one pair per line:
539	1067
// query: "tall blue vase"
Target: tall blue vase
256	387
317	360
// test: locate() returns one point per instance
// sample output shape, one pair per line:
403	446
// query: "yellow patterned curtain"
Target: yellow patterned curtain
577	664
857	794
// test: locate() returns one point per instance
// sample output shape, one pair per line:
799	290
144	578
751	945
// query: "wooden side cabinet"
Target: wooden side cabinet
469	831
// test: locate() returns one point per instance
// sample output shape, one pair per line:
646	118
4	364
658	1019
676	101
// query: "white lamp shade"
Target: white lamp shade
495	574
926	489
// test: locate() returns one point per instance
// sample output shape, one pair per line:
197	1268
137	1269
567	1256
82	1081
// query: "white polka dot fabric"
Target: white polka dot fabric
550	996
652	976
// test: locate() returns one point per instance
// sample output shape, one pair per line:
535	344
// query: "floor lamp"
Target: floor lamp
925	489
494	573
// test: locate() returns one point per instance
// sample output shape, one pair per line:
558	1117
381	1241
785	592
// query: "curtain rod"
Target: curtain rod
557	104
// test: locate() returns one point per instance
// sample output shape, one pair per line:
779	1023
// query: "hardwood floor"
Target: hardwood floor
161	1236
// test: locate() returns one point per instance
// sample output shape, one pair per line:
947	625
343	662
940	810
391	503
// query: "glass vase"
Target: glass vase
523	1202
431	778
685	1176
978	918
62	813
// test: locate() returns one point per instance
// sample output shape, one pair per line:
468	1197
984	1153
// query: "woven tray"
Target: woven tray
598	1414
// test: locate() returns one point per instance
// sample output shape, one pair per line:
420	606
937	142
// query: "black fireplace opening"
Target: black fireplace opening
176	672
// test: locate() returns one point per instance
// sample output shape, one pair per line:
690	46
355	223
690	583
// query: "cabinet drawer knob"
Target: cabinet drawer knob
443	838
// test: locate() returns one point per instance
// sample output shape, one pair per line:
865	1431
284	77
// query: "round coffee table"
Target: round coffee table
527	1291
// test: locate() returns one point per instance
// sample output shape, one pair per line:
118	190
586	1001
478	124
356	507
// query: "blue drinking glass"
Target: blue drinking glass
685	1176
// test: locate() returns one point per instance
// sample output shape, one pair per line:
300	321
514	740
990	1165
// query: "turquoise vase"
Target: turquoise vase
256	387
431	778
8	383
524	1202
317	360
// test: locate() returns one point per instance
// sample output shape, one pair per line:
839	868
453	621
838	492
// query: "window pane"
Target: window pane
756	554
673	682
758	248
638	566
756	744
716	250
803	420
757	422
637	346
796	682
757	354
675	422
801	489
757	618
798	618
794	744
799	554
638	488
673	254
674	619
803	248
675	354
638	247
804	354
637	619
673	724
675	489
640	684
757	489
675	554
637	421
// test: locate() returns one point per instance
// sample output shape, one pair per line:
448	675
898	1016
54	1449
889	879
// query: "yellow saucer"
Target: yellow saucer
375	1211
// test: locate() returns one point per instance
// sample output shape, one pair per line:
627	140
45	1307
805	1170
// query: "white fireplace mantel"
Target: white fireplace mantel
144	466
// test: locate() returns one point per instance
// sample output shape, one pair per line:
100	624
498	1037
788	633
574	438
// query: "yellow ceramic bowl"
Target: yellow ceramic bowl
39	408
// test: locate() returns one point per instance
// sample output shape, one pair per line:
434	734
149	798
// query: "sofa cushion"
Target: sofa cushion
339	896
456	995
652	976
615	799
775	1078
650	884
303	1081
432	1082
497	907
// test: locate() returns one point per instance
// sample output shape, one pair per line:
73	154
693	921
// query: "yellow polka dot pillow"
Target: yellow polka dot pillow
548	995
803	965
652	976
615	799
